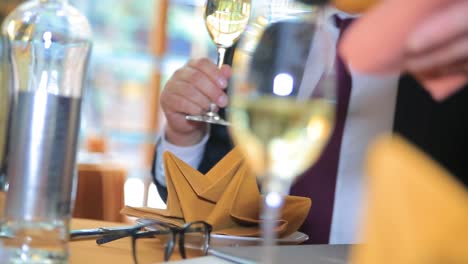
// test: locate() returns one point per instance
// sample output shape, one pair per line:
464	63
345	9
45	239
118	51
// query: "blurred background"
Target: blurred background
137	46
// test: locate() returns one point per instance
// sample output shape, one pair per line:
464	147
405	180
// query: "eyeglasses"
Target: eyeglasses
193	238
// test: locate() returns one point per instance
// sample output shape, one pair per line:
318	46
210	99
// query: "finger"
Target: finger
175	103
446	55
203	83
187	91
457	67
440	28
226	71
442	87
179	107
211	70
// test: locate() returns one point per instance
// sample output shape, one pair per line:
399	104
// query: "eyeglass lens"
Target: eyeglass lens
195	240
161	243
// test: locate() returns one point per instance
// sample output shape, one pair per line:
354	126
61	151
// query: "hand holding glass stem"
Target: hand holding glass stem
225	21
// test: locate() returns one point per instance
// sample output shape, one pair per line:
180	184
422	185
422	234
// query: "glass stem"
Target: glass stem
221	53
275	190
220	62
269	216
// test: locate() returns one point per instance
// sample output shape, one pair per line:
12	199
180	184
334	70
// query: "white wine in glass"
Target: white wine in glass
284	135
281	119
225	21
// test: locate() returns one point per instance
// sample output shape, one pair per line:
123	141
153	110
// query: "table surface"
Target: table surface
86	251
120	251
115	252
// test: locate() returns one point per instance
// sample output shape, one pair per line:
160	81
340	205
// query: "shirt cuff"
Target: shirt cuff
192	155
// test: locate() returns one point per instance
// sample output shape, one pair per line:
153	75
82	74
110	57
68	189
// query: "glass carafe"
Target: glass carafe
47	45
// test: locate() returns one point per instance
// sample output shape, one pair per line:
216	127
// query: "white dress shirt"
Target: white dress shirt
370	113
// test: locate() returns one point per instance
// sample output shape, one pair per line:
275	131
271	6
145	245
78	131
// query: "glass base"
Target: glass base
34	243
210	117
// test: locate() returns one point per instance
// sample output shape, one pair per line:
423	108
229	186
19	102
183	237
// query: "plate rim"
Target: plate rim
258	239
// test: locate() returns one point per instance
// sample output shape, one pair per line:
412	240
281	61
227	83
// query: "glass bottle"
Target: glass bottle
47	44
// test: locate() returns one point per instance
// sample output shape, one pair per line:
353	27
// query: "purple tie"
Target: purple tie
319	181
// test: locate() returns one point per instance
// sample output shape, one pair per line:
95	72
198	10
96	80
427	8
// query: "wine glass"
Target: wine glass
225	21
283	100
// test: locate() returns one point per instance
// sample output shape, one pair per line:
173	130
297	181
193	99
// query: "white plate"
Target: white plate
235	241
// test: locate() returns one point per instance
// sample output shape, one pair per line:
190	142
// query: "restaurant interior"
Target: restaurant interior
416	212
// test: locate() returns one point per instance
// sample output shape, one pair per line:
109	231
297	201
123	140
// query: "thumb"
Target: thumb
444	86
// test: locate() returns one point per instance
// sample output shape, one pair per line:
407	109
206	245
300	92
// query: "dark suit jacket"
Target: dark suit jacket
438	128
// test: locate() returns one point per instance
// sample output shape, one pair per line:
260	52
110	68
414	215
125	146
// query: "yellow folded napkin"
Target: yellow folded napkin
227	197
417	212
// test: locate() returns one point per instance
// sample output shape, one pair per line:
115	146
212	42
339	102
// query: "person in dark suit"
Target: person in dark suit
438	128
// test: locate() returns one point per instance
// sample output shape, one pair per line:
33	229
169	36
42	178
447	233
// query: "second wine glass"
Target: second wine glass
283	101
225	21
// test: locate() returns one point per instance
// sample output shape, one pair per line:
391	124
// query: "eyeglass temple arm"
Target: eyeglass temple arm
113	236
100	231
